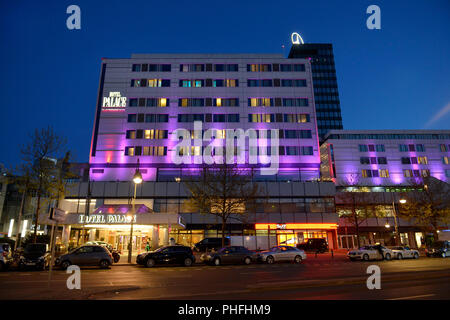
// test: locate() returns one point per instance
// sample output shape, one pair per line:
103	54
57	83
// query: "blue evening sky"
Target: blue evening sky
393	78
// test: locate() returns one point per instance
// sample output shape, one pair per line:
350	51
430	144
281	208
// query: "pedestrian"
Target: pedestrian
147	247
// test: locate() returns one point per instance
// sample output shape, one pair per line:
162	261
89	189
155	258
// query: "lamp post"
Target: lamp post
397	233
137	179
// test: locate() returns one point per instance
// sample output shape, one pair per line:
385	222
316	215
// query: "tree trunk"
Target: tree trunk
38	207
355	216
223	232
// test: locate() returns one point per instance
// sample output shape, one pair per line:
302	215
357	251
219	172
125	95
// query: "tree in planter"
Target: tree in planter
224	191
428	206
37	155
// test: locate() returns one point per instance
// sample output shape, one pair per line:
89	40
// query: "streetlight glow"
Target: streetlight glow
402	201
137	178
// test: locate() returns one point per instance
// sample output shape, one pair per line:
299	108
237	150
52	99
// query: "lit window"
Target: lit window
422	160
445	160
163	102
384	173
407	173
218	102
153	83
425	173
149	134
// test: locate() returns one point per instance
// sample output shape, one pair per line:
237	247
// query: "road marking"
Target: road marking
413	297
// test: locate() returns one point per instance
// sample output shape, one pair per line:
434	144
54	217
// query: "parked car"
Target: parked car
229	255
371	252
115	253
87	255
5	256
315	245
439	249
210	244
282	253
36	256
167	255
404	252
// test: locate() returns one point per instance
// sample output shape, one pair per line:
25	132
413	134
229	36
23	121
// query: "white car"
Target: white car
405	253
282	253
371	252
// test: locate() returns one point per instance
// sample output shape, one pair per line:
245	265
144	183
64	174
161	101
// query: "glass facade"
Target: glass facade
326	95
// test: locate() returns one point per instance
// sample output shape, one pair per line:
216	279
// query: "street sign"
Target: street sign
57	215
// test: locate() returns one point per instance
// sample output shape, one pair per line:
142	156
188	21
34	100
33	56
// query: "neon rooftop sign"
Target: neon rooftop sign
296	38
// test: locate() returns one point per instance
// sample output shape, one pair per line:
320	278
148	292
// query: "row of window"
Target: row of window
276	83
373	160
198	83
278	117
381	136
142	117
263	134
381	173
145	151
219	102
264	67
407	173
414	160
411	147
384	173
196	150
158	83
208	117
147	134
221	67
208	102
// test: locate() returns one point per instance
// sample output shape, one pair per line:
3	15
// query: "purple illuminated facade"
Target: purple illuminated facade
386	158
385	165
143	99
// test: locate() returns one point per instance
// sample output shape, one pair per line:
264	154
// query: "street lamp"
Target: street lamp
397	233
137	179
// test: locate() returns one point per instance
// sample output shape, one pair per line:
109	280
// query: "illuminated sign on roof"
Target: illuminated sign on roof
296	38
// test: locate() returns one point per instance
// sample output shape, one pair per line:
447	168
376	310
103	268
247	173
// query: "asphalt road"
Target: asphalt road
315	278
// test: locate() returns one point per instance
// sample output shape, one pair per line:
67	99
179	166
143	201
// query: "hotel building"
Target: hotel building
141	103
388	164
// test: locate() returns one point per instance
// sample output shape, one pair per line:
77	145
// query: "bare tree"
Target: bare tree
357	201
429	205
224	191
38	154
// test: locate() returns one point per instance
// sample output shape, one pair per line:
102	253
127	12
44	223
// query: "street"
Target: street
315	278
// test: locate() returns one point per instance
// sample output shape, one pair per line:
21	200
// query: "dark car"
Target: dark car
210	244
229	255
439	249
35	256
167	255
87	255
316	245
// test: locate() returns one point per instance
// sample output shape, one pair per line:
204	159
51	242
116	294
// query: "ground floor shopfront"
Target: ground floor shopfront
347	238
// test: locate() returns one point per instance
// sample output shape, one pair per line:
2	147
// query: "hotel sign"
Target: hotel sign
114	101
296	38
105	219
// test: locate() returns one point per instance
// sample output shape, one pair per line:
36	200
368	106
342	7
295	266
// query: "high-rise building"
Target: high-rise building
145	99
326	95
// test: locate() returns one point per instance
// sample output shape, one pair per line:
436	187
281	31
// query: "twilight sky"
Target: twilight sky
393	78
